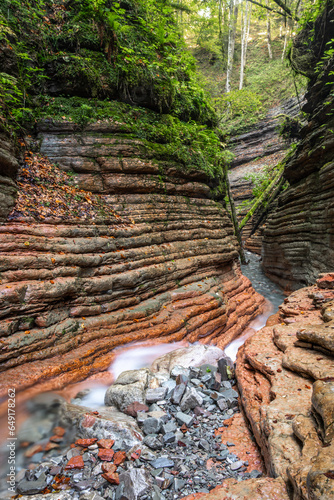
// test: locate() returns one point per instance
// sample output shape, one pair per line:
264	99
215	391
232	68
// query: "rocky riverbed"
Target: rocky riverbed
158	436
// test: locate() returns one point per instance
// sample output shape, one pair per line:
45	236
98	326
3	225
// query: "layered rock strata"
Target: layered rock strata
8	170
285	374
161	262
255	151
298	241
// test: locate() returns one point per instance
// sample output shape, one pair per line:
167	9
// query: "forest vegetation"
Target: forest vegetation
181	74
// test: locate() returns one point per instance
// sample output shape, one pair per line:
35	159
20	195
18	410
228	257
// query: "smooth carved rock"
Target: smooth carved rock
165	268
108	424
122	396
309	363
320	335
323	402
251	489
305	429
194	356
320	477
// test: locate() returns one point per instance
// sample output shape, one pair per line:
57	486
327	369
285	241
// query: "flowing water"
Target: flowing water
140	354
273	294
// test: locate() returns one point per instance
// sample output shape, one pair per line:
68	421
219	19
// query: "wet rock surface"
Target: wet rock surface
290	380
257	150
160	262
91	451
298	239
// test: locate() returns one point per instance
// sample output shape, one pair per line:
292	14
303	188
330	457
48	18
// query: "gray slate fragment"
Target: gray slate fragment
169	427
183	418
136	483
154	395
151	425
153	442
222	404
162	462
178	393
190	400
169	437
31	487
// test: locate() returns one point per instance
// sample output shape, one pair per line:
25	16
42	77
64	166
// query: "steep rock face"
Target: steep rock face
160	261
285	374
8	169
255	151
298	239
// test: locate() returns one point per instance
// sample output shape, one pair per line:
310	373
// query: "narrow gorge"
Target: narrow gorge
137	359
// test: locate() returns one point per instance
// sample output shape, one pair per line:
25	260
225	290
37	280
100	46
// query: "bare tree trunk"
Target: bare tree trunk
244	41
233	16
269	35
220	17
234	218
286	37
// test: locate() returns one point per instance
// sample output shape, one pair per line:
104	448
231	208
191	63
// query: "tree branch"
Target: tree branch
280	4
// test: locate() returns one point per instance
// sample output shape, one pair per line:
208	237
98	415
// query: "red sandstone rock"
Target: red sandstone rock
59	431
135	455
85	442
133	408
112	477
120	457
190	260
75	463
107	455
36	448
108	467
105	443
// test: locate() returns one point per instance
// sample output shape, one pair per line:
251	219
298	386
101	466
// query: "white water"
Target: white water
142	354
138	355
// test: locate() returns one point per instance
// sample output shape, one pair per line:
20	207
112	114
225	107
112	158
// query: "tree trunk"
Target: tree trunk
234	217
269	35
261	199
244	42
220	17
233	16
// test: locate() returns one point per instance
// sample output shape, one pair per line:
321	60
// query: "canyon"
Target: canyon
104	242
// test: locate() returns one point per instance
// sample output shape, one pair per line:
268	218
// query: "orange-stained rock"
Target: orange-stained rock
36	448
112	477
108	467
59	431
88	421
105	443
161	263
85	442
51	446
135	455
106	455
236	430
75	463
120	457
286	415
251	489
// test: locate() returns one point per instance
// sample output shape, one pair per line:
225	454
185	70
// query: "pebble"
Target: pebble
162	462
179	440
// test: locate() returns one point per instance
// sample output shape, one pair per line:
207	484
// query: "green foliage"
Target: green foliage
191	145
239	108
132	51
261	180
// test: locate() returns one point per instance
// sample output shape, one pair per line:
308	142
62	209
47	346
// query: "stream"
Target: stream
140	354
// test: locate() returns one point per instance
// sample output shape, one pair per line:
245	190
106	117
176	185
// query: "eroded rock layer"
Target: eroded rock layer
298	241
158	261
8	169
256	152
285	375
